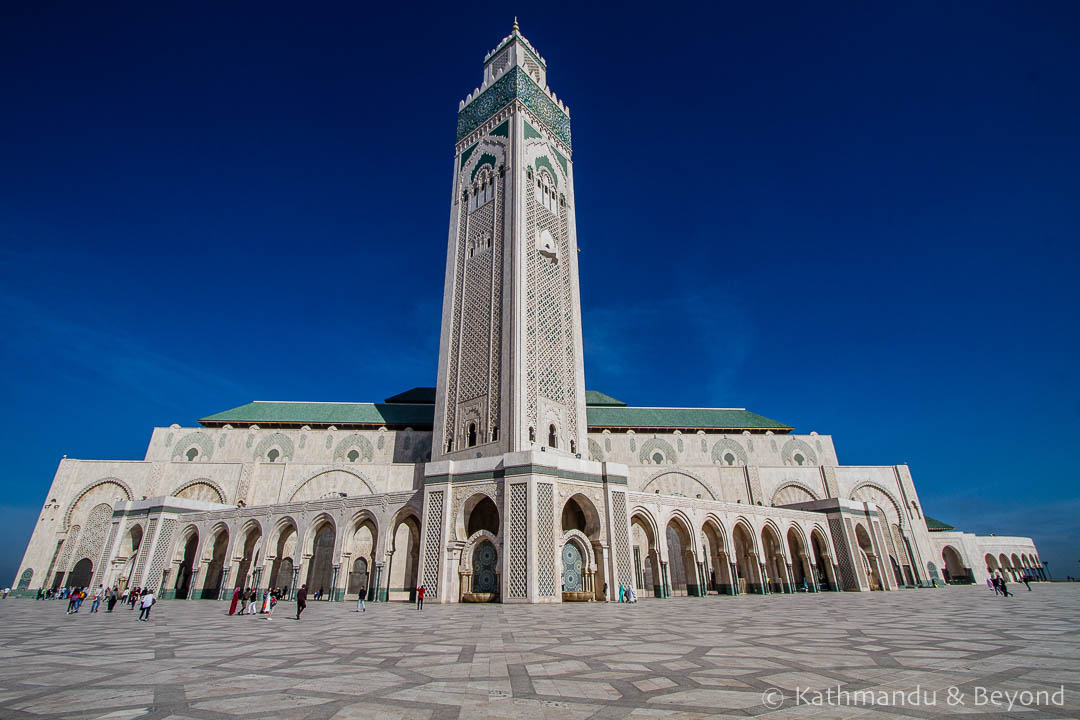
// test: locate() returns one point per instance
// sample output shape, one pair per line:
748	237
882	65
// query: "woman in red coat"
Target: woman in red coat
235	599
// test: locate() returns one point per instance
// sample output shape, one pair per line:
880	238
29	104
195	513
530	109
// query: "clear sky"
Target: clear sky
860	219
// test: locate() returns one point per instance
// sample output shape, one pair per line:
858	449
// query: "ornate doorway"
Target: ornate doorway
571	562
484	563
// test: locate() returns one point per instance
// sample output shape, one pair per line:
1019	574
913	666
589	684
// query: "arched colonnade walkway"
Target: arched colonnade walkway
334	547
677	551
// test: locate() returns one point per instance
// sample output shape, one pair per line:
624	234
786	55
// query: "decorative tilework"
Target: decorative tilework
485	159
543	162
793	446
466	154
595	453
531	132
277	439
518	558
724	446
70	543
514	84
653	445
196	439
350	442
432	556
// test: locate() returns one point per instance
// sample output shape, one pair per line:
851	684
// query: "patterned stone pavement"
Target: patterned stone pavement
678	658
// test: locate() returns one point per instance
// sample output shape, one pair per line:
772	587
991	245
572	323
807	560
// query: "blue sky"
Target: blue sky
854	218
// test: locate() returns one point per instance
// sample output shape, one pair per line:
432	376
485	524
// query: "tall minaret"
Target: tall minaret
511	375
510	423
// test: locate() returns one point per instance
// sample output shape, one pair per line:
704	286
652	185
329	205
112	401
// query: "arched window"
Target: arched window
658	458
495	433
192	454
532	434
729	459
553	437
472	435
799	459
573	446
273	455
353	455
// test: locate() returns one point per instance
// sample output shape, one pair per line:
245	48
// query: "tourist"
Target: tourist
145	603
124	596
301	600
266	600
134	597
420	597
271	602
71	604
360	597
235	599
991	584
6	591
631	594
1004	587
98	594
113	597
1027	581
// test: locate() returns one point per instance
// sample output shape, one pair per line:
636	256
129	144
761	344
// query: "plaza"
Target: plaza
680	658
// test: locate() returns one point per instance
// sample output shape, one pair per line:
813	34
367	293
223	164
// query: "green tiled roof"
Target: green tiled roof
689	418
415	408
592	397
331	413
936	525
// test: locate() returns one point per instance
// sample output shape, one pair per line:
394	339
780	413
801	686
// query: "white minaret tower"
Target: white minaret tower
511	375
510	424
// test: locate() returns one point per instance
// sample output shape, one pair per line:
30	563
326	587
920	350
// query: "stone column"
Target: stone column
292	583
378	596
734	584
223	591
790	578
765	589
836	578
333	584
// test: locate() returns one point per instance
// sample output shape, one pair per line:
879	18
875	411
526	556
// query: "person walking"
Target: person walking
145	603
134	597
1004	587
71	603
420	597
301	600
253	603
236	599
1027	581
360	597
98	594
113	597
271	602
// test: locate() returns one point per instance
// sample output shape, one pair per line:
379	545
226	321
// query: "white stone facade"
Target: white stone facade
506	482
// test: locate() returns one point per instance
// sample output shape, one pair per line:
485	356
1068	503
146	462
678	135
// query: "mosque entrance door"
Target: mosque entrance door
571	563
484	561
81	574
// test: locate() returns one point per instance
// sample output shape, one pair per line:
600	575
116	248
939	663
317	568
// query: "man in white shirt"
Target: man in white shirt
145	603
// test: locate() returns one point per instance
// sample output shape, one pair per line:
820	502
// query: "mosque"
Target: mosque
508	481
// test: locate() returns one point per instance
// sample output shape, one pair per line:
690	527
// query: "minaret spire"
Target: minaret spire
515	28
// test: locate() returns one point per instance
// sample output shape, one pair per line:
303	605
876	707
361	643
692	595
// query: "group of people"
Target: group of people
247	599
1000	587
76	596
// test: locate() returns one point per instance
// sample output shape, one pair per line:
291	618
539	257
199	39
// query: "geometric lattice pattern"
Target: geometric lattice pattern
434	535
99	570
517	557
161	553
69	548
551	356
843	555
622	540
545	540
144	552
93	533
